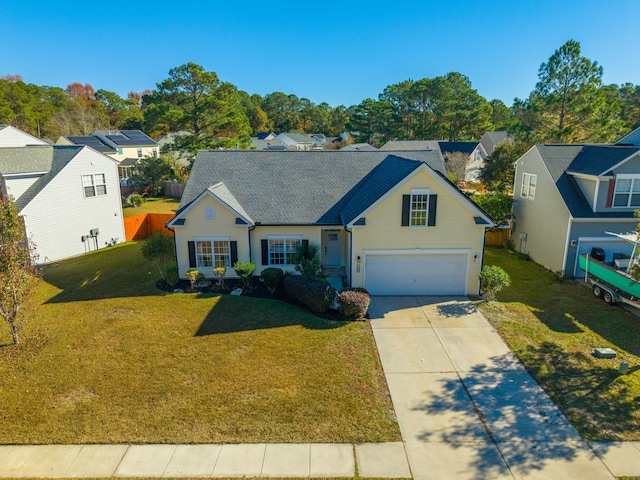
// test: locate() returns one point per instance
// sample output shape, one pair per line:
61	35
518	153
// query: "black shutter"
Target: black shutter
406	206
192	254
433	205
265	251
305	247
233	247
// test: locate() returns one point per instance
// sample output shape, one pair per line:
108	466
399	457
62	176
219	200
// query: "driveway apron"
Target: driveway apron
466	407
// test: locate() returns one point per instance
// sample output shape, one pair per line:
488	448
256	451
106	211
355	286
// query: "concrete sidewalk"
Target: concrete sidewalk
380	460
468	409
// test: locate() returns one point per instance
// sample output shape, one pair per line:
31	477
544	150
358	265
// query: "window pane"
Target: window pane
635	200
419	204
101	189
623	185
621	200
204	257
292	252
100	178
89	192
87	180
221	253
276	252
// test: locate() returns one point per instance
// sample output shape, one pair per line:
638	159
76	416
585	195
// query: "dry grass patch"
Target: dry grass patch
108	359
153	205
553	326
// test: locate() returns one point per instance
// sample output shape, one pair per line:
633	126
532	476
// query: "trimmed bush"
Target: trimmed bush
135	200
272	277
354	302
244	270
314	294
493	279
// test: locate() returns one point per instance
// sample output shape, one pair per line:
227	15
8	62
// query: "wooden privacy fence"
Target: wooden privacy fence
497	237
173	189
146	224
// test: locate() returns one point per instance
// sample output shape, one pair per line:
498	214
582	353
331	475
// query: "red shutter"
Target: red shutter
612	189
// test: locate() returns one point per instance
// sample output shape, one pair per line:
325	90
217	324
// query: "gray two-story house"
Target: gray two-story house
567	197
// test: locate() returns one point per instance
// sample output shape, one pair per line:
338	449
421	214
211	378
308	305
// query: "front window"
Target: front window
529	186
627	192
94	184
283	250
419	208
213	253
139	153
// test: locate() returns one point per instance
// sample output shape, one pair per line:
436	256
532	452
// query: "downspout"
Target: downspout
249	230
350	255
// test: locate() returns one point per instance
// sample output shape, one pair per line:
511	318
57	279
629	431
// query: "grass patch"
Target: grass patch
552	325
109	359
153	205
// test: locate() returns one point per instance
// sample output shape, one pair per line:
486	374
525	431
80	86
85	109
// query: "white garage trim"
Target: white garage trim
460	280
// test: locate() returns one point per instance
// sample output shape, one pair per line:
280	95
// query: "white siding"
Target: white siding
17	185
60	215
12	137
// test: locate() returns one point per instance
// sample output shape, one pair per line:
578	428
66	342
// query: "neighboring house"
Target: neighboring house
569	196
69	197
359	147
127	147
487	145
298	141
267	144
391	222
166	141
13	137
444	147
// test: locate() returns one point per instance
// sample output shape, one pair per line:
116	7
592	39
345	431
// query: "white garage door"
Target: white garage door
411	274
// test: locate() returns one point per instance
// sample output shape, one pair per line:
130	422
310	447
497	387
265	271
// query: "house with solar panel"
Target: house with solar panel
568	197
68	195
127	147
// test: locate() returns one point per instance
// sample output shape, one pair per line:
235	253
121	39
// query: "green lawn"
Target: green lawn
109	359
153	205
553	325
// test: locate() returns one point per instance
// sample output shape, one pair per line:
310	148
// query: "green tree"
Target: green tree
160	250
151	172
196	101
497	205
499	167
17	267
568	103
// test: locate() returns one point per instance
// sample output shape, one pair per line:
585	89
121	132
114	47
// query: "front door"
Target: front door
332	248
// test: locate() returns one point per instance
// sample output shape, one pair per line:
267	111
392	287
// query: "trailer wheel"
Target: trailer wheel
597	291
607	297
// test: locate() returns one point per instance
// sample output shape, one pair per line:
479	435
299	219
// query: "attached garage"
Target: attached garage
426	272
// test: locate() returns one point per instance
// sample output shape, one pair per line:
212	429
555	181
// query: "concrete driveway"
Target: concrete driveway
466	407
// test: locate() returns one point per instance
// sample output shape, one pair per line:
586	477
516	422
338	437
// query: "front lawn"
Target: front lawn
553	325
109	359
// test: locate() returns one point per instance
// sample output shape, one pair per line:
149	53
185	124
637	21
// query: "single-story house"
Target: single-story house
390	222
567	197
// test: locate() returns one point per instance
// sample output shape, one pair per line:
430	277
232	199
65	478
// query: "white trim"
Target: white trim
198	199
604	220
620	163
635	179
595	195
439	180
419	191
213	259
584	176
566	246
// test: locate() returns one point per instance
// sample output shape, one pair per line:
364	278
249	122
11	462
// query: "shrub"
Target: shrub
493	279
135	200
244	271
308	260
314	294
354	302
171	275
192	275
272	277
220	272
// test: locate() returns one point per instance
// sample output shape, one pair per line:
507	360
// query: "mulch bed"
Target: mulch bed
256	290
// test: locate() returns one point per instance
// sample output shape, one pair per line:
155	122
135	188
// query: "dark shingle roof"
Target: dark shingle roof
584	159
55	157
452	147
304	187
16	160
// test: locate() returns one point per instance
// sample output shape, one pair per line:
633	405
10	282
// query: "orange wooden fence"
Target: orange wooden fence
143	226
497	237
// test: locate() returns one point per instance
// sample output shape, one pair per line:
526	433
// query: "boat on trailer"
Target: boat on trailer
611	281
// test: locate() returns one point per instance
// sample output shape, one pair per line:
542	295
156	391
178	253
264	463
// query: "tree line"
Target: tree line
569	104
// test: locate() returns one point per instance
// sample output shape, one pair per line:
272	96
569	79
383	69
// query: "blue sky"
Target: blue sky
336	52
